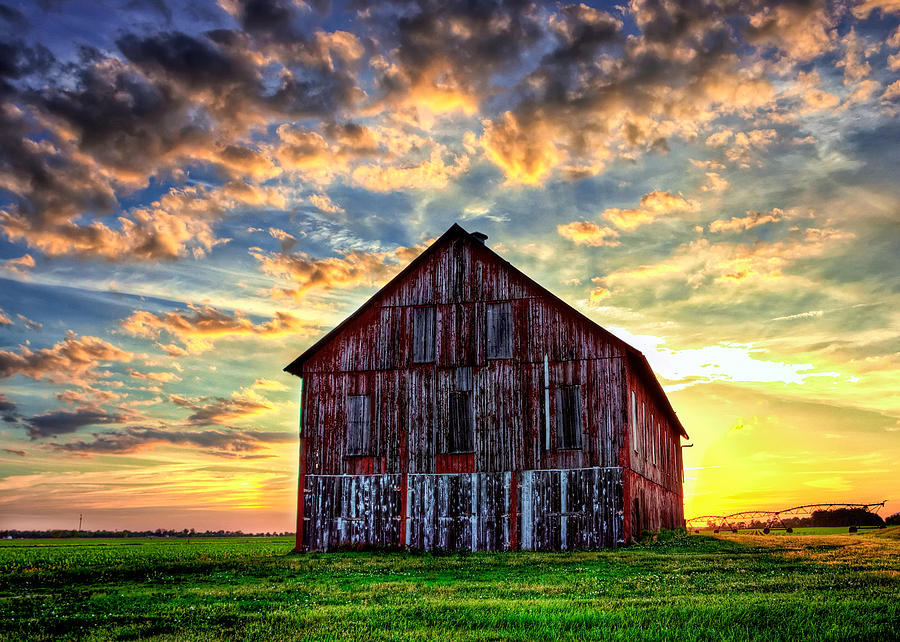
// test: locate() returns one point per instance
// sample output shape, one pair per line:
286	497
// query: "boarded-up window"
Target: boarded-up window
423	334
499	331
568	416
358	425
461	438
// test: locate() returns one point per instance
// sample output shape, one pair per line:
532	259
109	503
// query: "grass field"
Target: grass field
832	587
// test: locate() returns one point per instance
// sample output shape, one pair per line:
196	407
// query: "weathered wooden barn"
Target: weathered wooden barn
465	407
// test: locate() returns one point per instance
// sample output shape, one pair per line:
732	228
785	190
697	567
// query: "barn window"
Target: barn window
423	334
462	433
568	417
499	331
358	425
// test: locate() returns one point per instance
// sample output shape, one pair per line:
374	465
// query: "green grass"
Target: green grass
832	587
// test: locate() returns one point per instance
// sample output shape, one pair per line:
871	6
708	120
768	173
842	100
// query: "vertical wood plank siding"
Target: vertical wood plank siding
409	351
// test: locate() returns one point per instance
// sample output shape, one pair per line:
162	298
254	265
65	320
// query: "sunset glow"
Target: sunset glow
192	193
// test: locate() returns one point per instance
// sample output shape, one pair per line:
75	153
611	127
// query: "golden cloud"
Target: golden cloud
72	360
587	233
654	205
200	325
354	269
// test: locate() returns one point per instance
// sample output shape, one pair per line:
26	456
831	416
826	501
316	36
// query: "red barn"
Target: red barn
465	407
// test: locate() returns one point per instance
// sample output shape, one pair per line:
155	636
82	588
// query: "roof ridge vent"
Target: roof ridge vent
481	237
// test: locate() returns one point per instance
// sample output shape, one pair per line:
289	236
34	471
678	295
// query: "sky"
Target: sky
191	193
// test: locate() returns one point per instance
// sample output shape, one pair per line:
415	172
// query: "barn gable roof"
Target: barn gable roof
636	358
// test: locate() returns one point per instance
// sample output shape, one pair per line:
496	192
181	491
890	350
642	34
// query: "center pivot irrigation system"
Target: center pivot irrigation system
770	519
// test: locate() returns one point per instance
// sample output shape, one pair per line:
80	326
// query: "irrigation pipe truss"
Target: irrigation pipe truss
772	519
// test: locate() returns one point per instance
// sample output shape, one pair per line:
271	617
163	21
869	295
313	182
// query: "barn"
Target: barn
466	407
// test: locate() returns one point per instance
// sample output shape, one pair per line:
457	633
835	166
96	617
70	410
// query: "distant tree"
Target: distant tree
893	520
846	517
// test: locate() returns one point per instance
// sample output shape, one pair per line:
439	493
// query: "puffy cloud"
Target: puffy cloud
223	410
222	443
654	205
864	8
620	96
88	396
20	265
355	268
703	263
441	56
61	422
8	409
74	148
269	384
753	219
854	61
72	360
30	324
715	183
892	91
324	203
159	377
526	154
587	233
801	30
198	326
433	174
4	319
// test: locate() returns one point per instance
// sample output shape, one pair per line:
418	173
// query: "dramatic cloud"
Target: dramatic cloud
753	219
8	409
20	266
355	268
222	443
72	360
587	233
200	325
654	205
159	377
62	422
222	410
4	319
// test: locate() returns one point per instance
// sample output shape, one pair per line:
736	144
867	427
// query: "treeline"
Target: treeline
159	532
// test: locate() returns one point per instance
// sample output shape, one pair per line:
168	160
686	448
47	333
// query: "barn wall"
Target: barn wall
410	408
577	509
657	507
532	510
426	492
374	356
654	443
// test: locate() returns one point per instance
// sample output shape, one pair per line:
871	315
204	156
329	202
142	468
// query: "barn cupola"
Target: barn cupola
481	237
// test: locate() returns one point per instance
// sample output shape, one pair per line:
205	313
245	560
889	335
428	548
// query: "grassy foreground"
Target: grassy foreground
833	587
